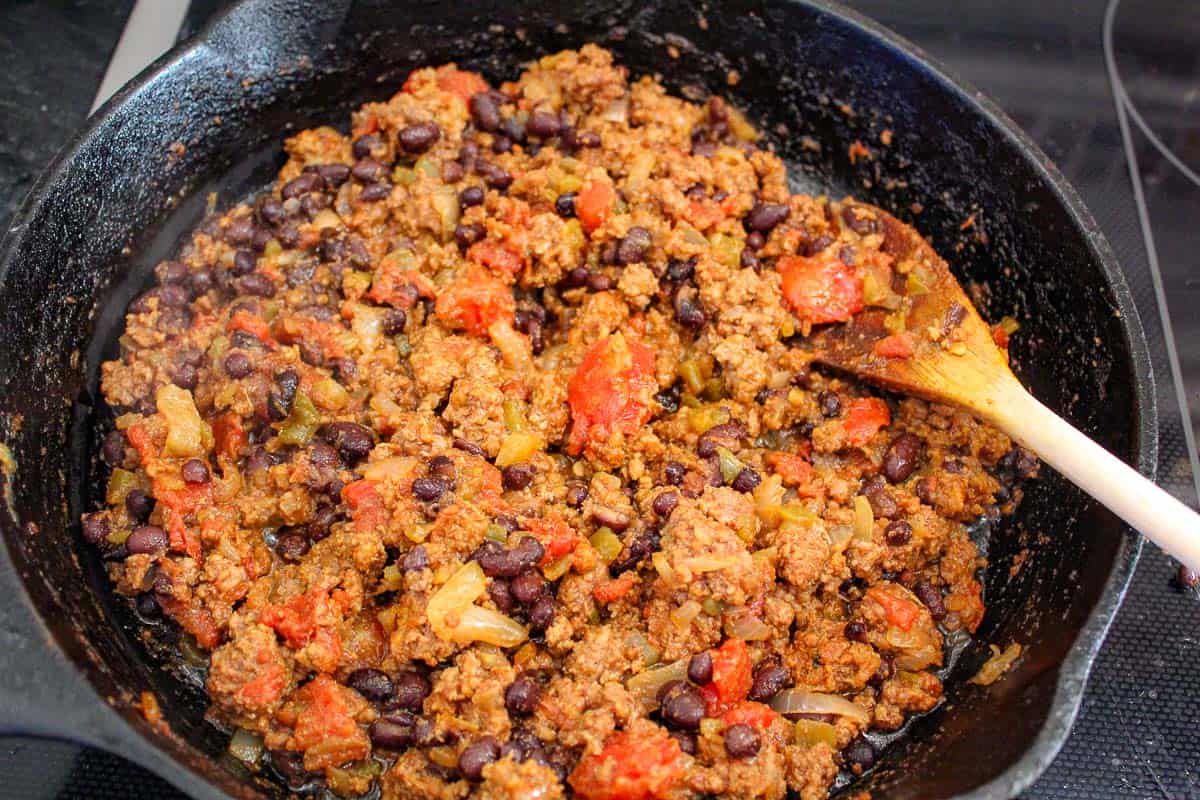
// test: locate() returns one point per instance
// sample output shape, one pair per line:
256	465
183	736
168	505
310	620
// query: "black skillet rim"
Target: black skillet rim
1075	666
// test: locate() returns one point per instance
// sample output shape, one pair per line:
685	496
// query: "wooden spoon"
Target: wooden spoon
955	360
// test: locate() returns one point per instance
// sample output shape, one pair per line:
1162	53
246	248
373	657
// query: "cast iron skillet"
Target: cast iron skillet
210	116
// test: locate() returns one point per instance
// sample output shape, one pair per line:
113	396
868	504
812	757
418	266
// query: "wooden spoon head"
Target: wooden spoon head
954	357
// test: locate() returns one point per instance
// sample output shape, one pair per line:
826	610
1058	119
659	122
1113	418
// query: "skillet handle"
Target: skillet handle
41	692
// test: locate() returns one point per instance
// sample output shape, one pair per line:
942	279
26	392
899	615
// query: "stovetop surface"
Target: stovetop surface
1102	87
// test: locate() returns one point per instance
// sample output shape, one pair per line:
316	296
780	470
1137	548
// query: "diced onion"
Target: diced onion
663	566
811	731
864	518
456	596
997	665
517	447
479	624
839	535
186	431
617	110
645	685
741	624
246	746
802	701
709	563
684	614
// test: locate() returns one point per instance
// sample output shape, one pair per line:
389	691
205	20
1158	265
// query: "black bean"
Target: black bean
687	741
898	533
415	560
194	471
700	668
599	282
748	260
368	170
688	311
442	466
1025	465
282	395
633	248
543	124
746	481
831	404
237	365
368	145
138	505
765	216
513	129
148	607
527	553
1186	578
323	518
518	476
484	111
860	754
802	378
334	175
742	741
564	205
608	252
373	684
147	540
469	447
185	376
883	505
500	591
541	615
577	492
292	545
171	272
394	321
855	631
396	731
847	255
858	221
769	681
502	144
95	529
289	236
468	234
679	270
575	277
410	690
495	175
669	399
903	457
470	196
270	211
302	184
452	172
617	520
429	489
352	441
239	231
313	204
419	137
528	587
374	192
931	596
522	695
755	240
493	559
256	284
665	503
674	472
477	755
681	705
113	449
643	544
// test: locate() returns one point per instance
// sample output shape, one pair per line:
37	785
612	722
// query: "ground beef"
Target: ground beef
498	413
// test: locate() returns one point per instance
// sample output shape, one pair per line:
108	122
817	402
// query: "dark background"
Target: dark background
1045	62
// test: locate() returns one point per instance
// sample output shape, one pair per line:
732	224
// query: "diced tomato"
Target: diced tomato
193	618
182	498
229	435
630	767
556	536
792	469
460	82
143	441
366	506
751	713
474	302
266	686
898	345
703	215
864	417
297	619
820	289
732	677
899	610
254	325
399	287
615	589
1000	337
495	256
594	203
325	728
611	390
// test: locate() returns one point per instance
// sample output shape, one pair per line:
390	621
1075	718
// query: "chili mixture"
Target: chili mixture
483	456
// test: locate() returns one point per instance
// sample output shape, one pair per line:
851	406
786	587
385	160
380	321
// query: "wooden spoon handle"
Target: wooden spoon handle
1159	516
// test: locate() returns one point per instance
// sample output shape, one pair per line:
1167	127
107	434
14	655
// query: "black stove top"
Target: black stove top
1110	90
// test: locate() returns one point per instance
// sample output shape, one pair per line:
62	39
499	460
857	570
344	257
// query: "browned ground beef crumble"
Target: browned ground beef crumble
483	457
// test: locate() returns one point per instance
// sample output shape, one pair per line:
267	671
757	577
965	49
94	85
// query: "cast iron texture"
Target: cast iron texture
210	116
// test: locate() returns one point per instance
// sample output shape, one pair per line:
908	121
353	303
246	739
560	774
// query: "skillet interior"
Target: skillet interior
814	82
